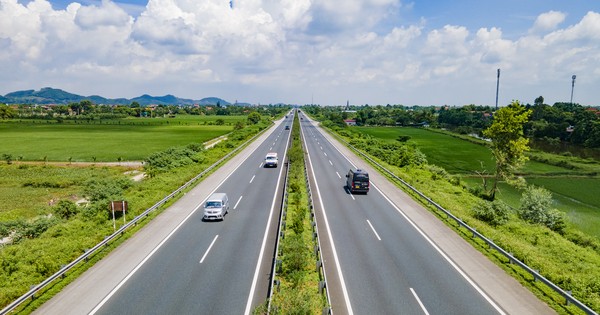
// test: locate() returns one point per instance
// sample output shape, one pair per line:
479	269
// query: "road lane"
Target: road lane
497	285
380	274
171	283
171	280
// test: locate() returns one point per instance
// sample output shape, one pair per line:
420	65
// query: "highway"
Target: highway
195	267
378	261
383	253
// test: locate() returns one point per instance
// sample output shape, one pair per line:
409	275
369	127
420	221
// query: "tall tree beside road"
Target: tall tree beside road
508	142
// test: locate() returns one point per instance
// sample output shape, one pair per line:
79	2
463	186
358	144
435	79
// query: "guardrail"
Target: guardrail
282	216
120	231
317	248
536	275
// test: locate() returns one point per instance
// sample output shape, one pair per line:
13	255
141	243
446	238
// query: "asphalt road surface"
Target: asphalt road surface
380	261
178	264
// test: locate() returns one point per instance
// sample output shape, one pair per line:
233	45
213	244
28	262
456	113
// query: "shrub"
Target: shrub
536	203
65	209
105	189
403	138
295	250
495	213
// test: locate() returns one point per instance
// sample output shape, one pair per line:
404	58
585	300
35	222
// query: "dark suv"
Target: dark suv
358	181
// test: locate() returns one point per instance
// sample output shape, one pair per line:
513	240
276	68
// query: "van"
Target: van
271	159
357	181
216	207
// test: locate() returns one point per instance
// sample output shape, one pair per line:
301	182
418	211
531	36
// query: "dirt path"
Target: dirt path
129	164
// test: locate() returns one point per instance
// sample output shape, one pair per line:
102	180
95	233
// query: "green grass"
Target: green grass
107	142
18	201
576	196
454	155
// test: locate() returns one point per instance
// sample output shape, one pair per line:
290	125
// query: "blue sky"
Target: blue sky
294	51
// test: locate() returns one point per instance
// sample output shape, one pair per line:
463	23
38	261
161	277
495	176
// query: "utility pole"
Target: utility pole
497	87
572	87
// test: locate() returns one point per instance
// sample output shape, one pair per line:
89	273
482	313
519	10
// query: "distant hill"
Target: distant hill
213	101
49	95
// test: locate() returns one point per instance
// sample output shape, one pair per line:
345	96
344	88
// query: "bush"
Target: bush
536	203
106	189
403	138
494	213
65	209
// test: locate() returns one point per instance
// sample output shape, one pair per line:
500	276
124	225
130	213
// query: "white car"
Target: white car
271	159
216	207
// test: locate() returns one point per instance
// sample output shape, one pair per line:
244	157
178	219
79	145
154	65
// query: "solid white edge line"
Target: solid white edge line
252	178
209	247
419	301
372	228
439	250
236	204
130	274
335	256
264	242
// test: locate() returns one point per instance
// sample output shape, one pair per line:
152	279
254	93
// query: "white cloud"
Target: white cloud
284	50
109	14
547	21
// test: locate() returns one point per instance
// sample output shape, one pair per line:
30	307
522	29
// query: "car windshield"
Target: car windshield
213	204
361	178
271	158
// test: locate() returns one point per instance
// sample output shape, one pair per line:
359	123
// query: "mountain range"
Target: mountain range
49	95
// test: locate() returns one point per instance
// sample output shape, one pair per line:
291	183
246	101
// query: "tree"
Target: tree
6	112
508	143
254	117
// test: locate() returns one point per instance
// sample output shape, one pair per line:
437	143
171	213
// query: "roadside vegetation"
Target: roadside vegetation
298	292
528	225
49	215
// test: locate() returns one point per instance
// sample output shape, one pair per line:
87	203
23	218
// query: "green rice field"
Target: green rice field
455	155
573	194
126	140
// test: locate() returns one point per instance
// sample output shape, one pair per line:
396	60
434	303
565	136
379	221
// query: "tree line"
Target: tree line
554	124
88	110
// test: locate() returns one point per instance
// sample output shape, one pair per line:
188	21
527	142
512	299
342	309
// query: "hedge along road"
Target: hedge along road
394	256
179	264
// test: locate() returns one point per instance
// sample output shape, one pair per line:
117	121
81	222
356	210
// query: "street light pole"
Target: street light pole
572	87
497	88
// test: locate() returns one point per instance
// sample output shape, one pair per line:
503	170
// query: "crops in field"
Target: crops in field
454	155
126	140
574	192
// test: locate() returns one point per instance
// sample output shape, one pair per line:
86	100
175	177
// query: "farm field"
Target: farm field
27	190
454	155
574	195
127	140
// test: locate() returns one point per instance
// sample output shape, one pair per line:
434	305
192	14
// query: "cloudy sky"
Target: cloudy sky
306	51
